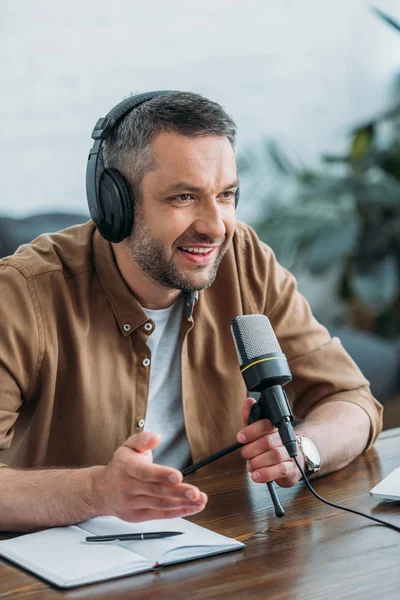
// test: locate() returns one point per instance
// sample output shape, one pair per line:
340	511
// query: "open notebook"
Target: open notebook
60	556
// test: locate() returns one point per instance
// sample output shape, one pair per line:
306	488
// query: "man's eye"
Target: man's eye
228	194
183	197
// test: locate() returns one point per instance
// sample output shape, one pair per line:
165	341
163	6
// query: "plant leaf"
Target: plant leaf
377	189
362	143
279	159
378	287
332	244
245	161
386	18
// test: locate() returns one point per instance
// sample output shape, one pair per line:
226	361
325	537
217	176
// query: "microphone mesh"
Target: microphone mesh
256	336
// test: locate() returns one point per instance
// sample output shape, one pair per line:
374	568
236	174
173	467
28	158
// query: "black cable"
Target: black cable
356	512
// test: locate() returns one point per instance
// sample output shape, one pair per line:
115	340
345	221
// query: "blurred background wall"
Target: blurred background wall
302	71
313	86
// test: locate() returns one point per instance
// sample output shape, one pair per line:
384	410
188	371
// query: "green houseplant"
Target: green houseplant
351	218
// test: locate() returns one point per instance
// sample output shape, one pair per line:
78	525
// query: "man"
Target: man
109	351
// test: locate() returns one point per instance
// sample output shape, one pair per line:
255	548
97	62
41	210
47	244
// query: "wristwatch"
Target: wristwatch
312	459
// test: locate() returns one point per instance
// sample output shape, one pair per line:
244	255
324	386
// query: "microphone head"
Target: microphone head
262	362
253	336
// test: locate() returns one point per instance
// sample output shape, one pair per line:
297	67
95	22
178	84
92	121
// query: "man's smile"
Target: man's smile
198	255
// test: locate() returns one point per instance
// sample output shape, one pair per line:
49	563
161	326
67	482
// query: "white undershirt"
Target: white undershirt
164	408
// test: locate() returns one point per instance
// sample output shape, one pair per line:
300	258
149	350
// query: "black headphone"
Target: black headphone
108	193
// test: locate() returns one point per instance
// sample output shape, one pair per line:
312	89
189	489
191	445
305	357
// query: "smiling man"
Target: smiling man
117	367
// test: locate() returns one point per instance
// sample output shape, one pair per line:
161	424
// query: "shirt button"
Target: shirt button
148	326
140	423
146	362
127	327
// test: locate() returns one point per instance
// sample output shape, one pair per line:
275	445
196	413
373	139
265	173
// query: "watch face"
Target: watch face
311	451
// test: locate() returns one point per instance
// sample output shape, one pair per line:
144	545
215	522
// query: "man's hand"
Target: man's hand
267	458
132	488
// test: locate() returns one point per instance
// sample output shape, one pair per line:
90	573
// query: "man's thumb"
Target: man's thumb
246	409
145	440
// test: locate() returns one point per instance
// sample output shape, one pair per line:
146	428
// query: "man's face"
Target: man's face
185	219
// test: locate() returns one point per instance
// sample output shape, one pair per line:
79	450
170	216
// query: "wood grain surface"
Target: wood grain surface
315	552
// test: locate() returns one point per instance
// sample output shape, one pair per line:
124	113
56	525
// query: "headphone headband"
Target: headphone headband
105	124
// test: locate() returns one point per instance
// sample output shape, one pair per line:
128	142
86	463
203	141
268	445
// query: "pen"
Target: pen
121	537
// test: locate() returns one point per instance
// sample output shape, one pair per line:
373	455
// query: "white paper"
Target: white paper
58	555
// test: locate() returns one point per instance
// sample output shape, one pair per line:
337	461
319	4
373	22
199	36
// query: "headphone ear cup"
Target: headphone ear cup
116	201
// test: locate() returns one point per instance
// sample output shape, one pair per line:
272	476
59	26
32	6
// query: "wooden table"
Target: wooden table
315	552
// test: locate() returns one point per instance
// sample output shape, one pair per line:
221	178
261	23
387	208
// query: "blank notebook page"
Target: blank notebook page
59	551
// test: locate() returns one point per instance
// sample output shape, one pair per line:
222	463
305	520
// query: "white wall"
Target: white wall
301	70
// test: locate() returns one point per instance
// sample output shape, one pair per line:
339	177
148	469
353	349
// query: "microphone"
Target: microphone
265	369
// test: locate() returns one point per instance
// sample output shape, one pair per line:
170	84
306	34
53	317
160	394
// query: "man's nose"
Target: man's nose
209	220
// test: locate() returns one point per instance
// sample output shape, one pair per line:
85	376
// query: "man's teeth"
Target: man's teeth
197	250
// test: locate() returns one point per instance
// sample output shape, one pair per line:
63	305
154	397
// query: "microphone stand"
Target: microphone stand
258	412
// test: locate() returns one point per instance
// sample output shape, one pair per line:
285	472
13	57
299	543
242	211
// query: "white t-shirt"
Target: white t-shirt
164	408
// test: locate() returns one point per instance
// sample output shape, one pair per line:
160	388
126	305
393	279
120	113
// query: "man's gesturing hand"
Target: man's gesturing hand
267	458
132	488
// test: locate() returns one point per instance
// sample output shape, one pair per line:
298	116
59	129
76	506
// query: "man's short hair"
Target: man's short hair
128	148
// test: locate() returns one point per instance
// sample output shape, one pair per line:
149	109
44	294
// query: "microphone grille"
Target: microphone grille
253	336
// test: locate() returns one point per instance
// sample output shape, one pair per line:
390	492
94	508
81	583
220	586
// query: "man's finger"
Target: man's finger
268	459
183	490
261	445
145	440
285	474
255	430
165	503
149	514
151	473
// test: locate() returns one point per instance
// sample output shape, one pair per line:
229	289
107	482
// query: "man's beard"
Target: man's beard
149	254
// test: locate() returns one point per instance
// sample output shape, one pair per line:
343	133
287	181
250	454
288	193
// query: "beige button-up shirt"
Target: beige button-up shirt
74	372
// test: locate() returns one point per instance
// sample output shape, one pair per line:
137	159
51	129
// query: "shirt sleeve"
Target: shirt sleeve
19	346
321	368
